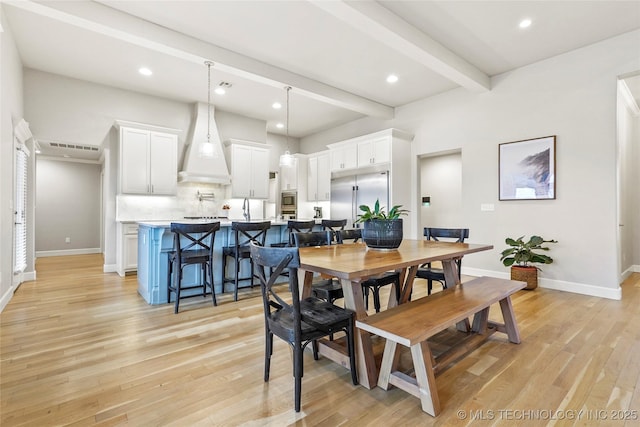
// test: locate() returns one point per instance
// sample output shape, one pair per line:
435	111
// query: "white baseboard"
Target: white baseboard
109	268
6	297
558	285
84	251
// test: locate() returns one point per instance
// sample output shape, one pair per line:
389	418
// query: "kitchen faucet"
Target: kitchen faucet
246	211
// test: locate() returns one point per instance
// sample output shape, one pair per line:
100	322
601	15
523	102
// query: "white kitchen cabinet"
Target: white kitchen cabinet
148	161
319	178
289	176
249	169
127	248
374	152
344	157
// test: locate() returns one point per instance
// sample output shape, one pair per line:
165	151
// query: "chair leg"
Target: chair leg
203	271
268	351
314	346
224	270
376	299
213	289
352	352
169	279
429	286
366	297
177	289
297	373
252	272
237	272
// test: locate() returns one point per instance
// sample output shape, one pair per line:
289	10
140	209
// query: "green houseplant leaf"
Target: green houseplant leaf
523	253
378	212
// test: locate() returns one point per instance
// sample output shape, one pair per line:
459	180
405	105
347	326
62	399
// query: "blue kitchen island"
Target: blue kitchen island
155	240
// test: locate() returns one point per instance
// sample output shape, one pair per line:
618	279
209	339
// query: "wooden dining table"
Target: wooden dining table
353	263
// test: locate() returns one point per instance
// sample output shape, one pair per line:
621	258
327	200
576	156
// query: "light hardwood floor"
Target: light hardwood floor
79	347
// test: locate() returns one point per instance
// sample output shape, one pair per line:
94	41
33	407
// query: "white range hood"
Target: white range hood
196	167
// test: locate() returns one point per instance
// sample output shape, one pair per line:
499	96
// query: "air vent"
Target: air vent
73	146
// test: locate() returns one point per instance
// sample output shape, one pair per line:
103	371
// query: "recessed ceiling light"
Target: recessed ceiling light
279	125
276	105
220	91
392	78
145	71
525	23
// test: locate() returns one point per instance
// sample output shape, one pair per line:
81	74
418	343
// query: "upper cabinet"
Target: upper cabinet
148	159
374	151
249	169
343	156
319	177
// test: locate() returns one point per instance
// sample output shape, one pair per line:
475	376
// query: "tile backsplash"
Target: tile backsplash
184	203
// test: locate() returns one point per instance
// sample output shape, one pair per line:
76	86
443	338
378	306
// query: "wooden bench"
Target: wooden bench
412	323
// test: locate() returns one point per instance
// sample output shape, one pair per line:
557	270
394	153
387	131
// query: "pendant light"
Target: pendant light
205	150
287	159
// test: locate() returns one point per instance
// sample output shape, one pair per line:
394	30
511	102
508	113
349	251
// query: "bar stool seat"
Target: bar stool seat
192	245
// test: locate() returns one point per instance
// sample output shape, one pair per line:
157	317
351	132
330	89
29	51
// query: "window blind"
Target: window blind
20	263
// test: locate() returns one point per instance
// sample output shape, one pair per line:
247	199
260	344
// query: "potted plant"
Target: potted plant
520	255
381	230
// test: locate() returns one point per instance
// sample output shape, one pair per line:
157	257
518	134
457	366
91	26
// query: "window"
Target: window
20	262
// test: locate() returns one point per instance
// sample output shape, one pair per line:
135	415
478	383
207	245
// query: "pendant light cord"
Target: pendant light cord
209	64
288	89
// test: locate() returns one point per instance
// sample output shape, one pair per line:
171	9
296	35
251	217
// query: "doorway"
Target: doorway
441	181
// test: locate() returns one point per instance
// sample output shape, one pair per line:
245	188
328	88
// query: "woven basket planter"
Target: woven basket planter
525	274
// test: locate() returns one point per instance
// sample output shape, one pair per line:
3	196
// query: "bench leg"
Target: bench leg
389	364
510	320
425	378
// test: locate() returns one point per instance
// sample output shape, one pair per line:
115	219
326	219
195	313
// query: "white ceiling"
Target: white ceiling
336	55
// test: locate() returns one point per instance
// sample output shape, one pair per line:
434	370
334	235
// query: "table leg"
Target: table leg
450	269
407	287
305	278
366	364
392	294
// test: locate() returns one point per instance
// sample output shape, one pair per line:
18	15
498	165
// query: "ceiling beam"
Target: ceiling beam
380	23
107	21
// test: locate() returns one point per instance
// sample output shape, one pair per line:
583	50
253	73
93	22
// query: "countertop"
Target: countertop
223	222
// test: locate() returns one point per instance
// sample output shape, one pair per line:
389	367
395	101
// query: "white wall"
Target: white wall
572	96
11	110
67	205
441	179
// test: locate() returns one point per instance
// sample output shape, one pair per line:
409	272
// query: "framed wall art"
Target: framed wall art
527	169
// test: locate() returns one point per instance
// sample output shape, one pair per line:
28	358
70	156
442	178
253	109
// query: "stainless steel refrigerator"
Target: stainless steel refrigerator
349	192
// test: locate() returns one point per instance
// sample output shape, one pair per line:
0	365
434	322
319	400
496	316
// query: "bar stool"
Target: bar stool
192	245
294	226
376	283
244	233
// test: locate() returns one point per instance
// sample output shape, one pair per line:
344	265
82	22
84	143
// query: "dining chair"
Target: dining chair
326	289
192	245
431	274
244	233
333	225
299	322
376	283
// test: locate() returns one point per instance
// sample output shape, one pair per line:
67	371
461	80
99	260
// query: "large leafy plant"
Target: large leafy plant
522	253
379	213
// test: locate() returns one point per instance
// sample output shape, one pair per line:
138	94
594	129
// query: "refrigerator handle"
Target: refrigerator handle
354	207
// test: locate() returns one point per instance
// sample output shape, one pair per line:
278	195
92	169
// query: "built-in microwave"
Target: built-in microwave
288	199
288	202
